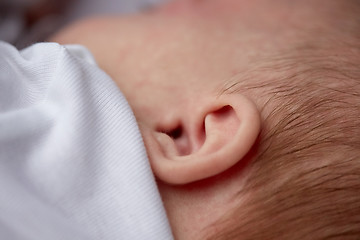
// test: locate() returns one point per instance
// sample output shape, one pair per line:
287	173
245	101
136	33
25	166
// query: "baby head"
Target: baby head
249	111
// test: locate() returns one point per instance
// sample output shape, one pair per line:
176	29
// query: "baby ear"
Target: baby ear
204	140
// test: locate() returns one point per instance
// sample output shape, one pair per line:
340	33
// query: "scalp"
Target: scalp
305	180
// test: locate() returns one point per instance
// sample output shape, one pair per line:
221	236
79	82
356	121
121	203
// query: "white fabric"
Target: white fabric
72	161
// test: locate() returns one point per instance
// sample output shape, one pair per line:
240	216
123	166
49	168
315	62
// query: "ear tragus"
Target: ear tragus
207	143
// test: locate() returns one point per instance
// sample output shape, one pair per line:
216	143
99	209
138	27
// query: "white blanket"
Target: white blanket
72	160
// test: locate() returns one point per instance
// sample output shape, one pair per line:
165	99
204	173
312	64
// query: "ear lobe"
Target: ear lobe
204	143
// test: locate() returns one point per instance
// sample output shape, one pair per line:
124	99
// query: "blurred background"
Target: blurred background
23	22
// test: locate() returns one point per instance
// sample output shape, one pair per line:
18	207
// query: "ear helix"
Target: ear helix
207	144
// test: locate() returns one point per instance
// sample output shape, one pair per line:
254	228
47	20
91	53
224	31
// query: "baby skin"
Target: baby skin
249	111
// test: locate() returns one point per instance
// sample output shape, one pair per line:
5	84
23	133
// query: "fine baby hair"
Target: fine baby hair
305	181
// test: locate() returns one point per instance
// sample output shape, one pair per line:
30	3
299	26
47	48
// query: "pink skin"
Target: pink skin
171	64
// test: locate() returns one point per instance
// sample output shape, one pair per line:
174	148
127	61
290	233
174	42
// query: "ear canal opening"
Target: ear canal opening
179	138
175	133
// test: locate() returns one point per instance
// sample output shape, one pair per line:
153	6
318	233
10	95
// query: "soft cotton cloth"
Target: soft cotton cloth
72	160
